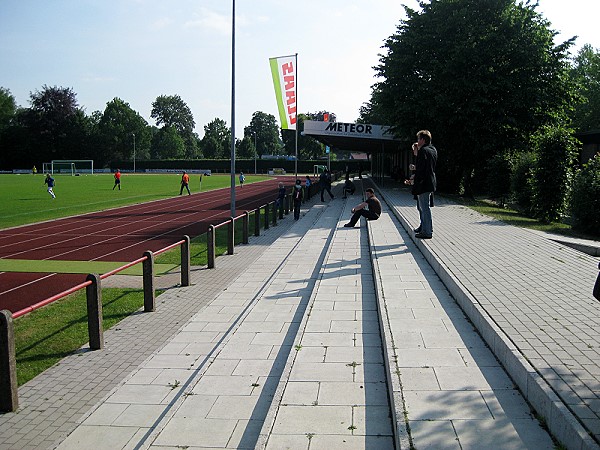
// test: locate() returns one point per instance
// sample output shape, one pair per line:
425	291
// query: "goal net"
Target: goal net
69	166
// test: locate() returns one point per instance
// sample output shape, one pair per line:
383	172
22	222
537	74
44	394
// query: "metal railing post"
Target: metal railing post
210	246
257	221
9	393
93	294
245	228
230	235
148	275
275	212
185	261
267	217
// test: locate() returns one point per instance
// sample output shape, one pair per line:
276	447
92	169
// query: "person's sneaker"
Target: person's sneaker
423	236
349	225
417	230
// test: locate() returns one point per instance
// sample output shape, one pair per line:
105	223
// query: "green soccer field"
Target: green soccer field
24	200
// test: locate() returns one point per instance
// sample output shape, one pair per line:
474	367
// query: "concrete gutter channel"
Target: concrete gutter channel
562	424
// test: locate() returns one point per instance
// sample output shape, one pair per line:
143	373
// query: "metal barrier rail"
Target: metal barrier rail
8	380
8	373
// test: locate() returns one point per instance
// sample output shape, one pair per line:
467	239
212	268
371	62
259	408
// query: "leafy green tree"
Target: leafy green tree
556	153
172	111
481	75
167	144
585	197
267	133
216	143
244	148
308	147
116	128
8	108
55	124
12	135
586	73
521	180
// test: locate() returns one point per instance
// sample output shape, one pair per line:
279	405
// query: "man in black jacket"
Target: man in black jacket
370	208
425	182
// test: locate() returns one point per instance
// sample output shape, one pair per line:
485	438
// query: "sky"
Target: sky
137	50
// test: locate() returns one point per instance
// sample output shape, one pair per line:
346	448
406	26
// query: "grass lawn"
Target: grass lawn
513	217
24	200
45	336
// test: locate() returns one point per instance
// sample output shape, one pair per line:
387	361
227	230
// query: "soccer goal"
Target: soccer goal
69	166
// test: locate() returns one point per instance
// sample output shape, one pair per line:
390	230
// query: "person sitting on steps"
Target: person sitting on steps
370	208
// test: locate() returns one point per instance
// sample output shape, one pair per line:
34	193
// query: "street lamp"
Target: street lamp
133	152
255	152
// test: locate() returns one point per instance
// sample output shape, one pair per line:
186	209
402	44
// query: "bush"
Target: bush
585	197
521	185
556	150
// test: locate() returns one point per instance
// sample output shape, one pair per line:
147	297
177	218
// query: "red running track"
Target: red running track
121	234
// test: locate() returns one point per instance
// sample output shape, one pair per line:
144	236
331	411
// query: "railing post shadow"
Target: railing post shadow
288	199
93	293
185	261
245	228
230	235
257	221
148	275
267	216
210	246
9	393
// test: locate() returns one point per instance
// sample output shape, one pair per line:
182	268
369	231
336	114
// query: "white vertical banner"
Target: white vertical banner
283	70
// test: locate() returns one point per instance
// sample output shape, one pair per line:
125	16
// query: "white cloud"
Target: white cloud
211	21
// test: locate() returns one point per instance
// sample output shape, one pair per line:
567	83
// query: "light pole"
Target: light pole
255	152
133	152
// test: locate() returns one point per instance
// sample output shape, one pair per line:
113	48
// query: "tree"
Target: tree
116	128
167	144
267	133
216	143
9	129
172	111
585	197
244	148
55	124
481	75
308	147
8	108
586	73
556	153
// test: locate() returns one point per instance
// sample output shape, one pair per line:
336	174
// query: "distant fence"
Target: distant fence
269	213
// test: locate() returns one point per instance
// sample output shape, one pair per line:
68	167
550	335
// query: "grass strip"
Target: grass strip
58	266
47	335
518	219
198	248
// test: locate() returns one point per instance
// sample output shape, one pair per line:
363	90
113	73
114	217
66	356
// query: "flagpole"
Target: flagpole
297	124
233	111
